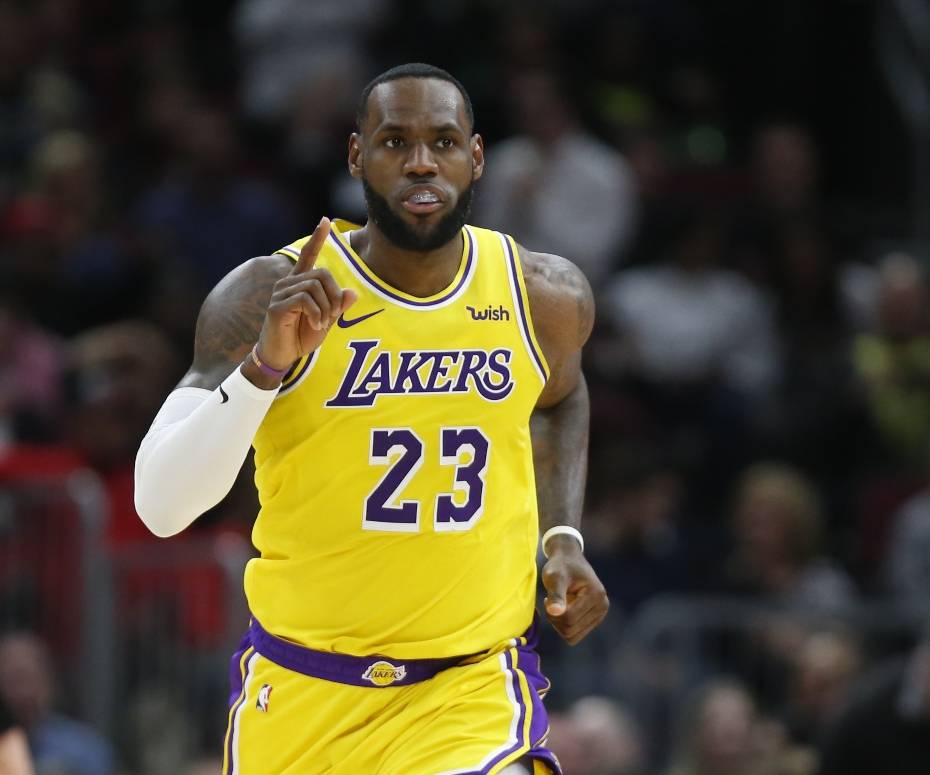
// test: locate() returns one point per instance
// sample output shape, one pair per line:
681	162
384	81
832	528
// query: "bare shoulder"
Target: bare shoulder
231	319
561	301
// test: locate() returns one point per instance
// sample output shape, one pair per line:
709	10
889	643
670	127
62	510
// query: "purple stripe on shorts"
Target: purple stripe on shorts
524	314
235	670
342	668
403	300
528	662
518	694
238	673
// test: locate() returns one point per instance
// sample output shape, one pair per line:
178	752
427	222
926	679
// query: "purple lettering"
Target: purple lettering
410	362
344	395
473	361
440	370
496	389
378	375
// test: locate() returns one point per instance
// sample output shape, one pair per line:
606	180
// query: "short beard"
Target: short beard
407	238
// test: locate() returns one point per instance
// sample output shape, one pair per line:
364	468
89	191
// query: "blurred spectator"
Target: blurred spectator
161	735
118	376
99	280
786	165
717	733
289	45
886	724
637	542
785	195
27	685
30	377
624	54
315	152
893	363
563	741
723	734
816	419
785	168
14	747
907	565
554	186
35	97
824	669
692	349
207	216
63	260
688	322
597	736
204	767
777	523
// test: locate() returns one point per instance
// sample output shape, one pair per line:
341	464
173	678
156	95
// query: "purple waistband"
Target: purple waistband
343	668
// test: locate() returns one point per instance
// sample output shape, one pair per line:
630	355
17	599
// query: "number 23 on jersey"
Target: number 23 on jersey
403	451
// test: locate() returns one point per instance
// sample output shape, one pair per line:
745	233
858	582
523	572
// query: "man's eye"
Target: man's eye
393	142
446	142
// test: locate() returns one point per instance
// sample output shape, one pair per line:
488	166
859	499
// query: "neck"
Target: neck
419	273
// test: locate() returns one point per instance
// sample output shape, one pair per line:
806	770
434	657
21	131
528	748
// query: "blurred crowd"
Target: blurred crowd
759	371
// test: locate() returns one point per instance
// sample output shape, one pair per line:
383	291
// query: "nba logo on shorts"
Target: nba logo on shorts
264	697
383	673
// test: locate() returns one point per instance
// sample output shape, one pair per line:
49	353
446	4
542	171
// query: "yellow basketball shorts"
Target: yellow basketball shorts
298	711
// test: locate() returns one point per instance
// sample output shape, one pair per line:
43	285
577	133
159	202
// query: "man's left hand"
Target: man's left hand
576	601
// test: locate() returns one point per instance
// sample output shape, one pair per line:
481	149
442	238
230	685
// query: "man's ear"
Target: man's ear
356	162
477	157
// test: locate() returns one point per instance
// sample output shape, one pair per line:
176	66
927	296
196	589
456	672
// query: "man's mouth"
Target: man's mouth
422	200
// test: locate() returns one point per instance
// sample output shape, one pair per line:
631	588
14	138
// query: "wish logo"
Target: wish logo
373	372
489	313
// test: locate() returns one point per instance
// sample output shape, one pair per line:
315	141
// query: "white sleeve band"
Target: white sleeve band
190	457
561	530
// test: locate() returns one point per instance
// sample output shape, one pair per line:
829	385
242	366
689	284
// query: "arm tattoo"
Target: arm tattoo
231	320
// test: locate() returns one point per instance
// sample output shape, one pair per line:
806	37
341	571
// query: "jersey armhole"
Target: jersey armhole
288	252
521	304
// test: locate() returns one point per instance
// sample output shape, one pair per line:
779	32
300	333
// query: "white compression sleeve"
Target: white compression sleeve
190	457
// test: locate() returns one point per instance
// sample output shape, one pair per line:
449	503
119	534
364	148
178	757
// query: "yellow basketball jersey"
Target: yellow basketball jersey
394	469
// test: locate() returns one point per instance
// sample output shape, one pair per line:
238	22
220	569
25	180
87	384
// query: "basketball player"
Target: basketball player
388	377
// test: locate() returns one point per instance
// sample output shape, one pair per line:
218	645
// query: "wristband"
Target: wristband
561	530
266	369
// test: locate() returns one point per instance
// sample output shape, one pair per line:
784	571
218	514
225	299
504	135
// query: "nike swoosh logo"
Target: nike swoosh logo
344	322
223	393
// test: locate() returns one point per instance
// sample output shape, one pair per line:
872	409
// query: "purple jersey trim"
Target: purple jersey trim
341	668
290	250
524	313
386	291
292	377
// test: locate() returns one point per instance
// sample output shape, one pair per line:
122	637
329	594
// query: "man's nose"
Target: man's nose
420	161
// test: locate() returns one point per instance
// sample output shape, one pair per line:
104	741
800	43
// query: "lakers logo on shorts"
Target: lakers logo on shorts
264	698
383	673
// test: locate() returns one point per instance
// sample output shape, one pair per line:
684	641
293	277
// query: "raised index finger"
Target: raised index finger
312	247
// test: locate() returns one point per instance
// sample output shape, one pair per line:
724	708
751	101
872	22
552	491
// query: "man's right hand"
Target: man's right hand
304	304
